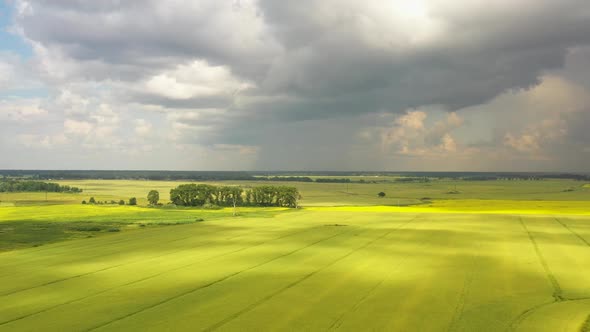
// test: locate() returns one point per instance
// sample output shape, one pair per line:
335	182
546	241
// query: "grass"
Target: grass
23	234
495	257
342	193
26	226
329	194
586	325
477	206
384	271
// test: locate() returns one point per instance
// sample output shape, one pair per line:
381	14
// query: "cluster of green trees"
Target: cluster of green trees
421	179
92	200
137	175
272	196
34	186
205	194
202	194
332	180
287	178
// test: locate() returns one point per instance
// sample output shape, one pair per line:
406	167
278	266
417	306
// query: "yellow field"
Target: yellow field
461	264
377	269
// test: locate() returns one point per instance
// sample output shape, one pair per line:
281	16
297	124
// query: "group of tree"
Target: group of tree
287	178
92	200
202	194
35	186
129	175
332	180
421	179
50	175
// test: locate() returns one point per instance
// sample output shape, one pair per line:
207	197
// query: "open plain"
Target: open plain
473	262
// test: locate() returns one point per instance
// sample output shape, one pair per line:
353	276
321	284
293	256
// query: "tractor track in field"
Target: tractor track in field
338	321
520	318
92	246
572	231
557	291
586	325
92	272
214	282
127	263
88	246
300	280
152	276
112	266
460	306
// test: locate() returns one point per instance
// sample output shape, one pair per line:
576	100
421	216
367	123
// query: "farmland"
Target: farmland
437	256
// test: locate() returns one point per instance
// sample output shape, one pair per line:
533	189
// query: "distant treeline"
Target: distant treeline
127	175
425	176
286	178
525	177
302	179
412	179
330	180
203	194
334	177
35	186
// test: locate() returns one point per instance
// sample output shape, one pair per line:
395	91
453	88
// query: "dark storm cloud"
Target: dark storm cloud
337	56
311	73
148	35
196	102
470	57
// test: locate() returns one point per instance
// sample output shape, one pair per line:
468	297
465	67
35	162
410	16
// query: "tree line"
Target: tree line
92	200
51	175
331	180
202	194
35	186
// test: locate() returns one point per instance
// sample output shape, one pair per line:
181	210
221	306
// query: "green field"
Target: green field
496	256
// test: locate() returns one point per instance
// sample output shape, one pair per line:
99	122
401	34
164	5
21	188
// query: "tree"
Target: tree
121	202
92	200
34	186
381	194
153	197
193	194
199	195
133	201
83	202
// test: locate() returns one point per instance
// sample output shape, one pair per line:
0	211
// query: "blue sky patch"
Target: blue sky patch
9	41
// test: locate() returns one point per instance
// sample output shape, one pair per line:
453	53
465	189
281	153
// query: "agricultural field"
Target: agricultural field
436	256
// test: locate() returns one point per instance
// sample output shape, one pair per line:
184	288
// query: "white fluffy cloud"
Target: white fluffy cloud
409	135
195	80
19	111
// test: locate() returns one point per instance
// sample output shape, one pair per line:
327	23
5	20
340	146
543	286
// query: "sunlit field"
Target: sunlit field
491	256
332	194
259	165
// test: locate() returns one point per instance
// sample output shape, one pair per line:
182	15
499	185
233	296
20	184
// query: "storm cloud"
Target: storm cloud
302	85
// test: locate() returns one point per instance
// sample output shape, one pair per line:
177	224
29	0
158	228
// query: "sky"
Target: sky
380	85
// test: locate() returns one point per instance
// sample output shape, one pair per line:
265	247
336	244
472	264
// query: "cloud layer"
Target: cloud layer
309	84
